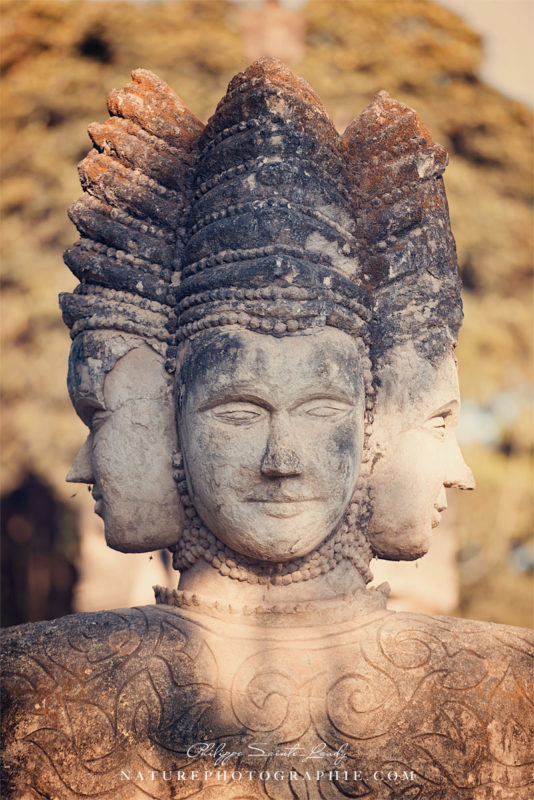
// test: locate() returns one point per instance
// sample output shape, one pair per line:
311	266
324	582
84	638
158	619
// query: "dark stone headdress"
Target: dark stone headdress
131	217
268	219
403	224
271	242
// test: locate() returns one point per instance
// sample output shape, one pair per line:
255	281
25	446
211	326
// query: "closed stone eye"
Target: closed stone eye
325	411
237	416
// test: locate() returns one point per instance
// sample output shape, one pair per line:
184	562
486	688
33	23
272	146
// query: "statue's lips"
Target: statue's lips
436	515
97	496
282	506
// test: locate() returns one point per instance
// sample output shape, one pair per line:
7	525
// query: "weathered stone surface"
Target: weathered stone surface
129	218
132	703
120	388
415	451
316	306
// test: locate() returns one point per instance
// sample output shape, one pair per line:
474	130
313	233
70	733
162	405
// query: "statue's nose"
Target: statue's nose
81	470
280	457
458	475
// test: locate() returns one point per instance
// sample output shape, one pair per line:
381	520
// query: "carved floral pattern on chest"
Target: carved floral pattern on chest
105	700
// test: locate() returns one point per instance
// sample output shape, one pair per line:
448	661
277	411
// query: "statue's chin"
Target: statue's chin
277	532
399	545
140	527
275	549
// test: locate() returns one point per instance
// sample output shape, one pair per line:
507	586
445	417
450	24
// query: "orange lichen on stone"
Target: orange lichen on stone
126	140
382	124
272	71
389	145
269	84
148	101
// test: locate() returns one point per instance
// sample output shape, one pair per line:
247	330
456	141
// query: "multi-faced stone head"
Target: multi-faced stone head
295	259
272	343
118	315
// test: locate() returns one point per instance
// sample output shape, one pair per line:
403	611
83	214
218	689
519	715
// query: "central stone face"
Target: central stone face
271	430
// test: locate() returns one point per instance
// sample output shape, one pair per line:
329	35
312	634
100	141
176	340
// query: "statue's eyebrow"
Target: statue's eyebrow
336	395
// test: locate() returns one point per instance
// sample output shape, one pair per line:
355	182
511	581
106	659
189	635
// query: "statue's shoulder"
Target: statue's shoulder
95	636
94	659
82	652
451	698
461	645
490	633
88	688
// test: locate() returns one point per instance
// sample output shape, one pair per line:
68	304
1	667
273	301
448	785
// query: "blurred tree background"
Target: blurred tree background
59	60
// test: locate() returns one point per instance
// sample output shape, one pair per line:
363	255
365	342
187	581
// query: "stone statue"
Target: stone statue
293	296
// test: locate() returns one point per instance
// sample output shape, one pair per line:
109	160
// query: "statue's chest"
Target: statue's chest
151	702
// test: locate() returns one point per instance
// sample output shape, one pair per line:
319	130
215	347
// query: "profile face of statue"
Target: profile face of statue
416	413
271	431
123	394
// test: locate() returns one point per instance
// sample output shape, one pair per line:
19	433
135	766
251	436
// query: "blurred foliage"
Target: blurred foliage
496	538
60	59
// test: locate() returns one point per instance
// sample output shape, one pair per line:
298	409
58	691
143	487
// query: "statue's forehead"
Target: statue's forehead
93	355
281	369
413	386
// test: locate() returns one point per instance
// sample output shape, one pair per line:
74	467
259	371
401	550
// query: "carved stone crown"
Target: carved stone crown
131	217
266	218
271	233
404	226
